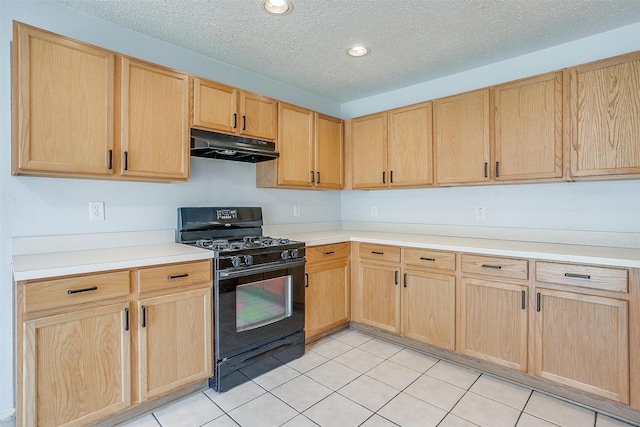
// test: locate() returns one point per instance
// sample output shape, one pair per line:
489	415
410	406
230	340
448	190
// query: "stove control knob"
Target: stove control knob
235	261
294	253
284	255
248	259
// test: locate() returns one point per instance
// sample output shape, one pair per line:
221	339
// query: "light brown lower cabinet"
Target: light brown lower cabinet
380	296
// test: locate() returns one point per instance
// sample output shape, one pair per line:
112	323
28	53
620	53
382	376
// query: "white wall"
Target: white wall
41	206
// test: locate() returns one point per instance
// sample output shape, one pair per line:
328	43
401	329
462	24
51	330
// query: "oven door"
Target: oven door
258	305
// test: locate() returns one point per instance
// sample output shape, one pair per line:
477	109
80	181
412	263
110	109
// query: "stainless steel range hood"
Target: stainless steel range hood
228	147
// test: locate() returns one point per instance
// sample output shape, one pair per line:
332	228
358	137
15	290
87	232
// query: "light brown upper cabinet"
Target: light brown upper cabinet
462	138
393	148
604	123
229	110
311	151
63	95
154	121
528	129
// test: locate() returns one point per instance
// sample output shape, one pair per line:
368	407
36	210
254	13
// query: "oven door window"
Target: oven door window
263	302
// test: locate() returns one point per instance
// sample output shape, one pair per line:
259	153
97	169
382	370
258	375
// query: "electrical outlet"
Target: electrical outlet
96	211
296	210
480	213
374	211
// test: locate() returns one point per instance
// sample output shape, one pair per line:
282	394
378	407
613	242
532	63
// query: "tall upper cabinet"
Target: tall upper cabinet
605	117
63	103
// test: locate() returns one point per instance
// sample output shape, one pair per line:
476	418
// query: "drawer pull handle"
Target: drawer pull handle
178	276
538	302
577	276
306	280
126	319
495	267
328	253
524	298
377	253
77	291
144	316
427	259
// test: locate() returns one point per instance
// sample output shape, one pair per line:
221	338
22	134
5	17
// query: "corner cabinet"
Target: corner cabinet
311	151
604	126
154	121
63	105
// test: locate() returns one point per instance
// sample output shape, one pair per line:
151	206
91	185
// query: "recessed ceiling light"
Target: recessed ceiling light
277	7
358	51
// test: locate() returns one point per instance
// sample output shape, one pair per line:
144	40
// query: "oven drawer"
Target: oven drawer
429	258
512	268
173	275
326	253
584	276
379	252
67	291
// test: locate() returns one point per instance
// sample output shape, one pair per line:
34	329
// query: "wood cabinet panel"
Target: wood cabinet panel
295	146
327	253
462	138
584	276
411	146
528	128
512	268
327	297
429	308
174	341
369	151
604	125
258	116
380	296
329	152
494	322
214	106
76	367
590	351
379	252
154	121
63	105
173	276
430	259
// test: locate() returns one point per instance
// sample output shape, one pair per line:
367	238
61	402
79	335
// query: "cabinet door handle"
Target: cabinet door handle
244	122
318	180
497	169
144	316
486	172
313	181
577	276
126	160
178	276
235	120
377	253
524	299
391	177
328	253
77	291
126	319
306	280
384	177
395	277
538	302
405	280
427	259
495	267
110	159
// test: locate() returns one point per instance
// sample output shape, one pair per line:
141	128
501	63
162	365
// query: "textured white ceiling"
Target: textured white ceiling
411	41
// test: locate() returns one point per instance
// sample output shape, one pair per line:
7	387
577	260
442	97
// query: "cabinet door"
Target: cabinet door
63	105
411	146
581	341
174	341
327	297
76	366
329	152
214	106
380	296
369	151
429	307
154	122
462	138
295	145
528	129
493	322
605	102
258	116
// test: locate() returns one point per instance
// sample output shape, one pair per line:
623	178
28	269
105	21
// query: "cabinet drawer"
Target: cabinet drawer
325	253
379	252
511	268
68	291
604	278
173	275
432	259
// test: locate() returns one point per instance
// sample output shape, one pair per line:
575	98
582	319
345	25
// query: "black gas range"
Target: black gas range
259	285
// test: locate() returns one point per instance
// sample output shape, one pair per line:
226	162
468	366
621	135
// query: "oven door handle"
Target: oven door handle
261	269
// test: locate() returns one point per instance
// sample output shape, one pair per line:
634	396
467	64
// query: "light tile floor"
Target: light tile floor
352	379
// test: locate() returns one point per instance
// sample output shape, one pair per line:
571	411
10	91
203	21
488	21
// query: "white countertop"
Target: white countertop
620	257
51	264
